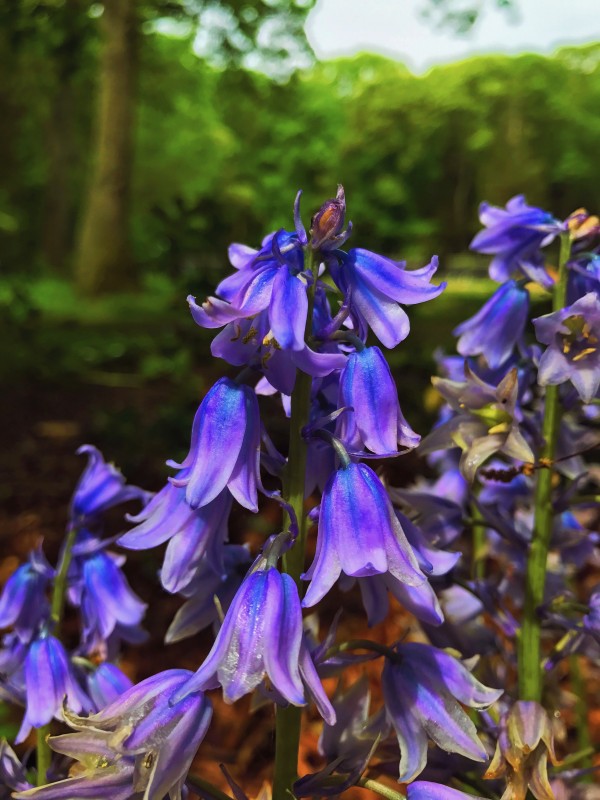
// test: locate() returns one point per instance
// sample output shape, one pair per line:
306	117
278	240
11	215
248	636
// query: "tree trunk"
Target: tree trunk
104	261
71	25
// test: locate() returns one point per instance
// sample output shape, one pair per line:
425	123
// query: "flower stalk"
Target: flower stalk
288	720
530	672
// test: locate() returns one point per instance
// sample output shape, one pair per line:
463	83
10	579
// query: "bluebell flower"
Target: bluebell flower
23	604
374	419
573	353
359	534
250	341
261	636
141	746
105	684
100	487
273	280
377	286
424	690
227	423
192	533
426	790
421	600
99	587
49	677
583	277
200	609
497	327
515	236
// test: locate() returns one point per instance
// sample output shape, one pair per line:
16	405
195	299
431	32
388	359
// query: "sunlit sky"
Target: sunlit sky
395	28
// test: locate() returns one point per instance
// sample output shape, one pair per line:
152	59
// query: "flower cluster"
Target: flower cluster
461	554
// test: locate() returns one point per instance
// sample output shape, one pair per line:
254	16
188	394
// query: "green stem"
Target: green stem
56	612
530	673
60	583
479	540
287	723
43	755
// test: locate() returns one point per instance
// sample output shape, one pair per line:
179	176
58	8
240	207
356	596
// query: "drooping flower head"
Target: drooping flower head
24	604
100	487
192	533
377	287
515	236
359	534
140	746
573	354
423	690
261	636
374	418
497	327
49	678
101	590
225	447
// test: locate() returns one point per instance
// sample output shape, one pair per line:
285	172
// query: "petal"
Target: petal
221	429
314	686
392	280
205	533
425	790
288	310
283	634
411	736
46	669
366	384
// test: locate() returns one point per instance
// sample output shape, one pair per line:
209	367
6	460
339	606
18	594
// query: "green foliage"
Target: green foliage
220	153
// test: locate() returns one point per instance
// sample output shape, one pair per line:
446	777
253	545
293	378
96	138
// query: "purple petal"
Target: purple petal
283	632
288	310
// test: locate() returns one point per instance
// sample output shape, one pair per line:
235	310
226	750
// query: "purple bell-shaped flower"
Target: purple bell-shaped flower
359	534
225	447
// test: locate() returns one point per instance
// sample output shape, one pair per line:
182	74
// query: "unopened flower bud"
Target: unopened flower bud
327	223
581	224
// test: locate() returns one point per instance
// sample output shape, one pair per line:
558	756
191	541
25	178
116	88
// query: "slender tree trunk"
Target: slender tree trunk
71	25
103	260
59	200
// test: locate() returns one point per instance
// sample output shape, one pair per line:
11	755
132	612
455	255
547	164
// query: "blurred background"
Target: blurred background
140	137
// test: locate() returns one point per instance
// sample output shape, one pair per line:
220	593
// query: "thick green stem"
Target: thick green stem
287	724
530	673
56	613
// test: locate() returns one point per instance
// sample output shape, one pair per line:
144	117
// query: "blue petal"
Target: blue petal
288	310
283	634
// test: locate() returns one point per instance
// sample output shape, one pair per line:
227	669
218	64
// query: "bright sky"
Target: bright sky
394	28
